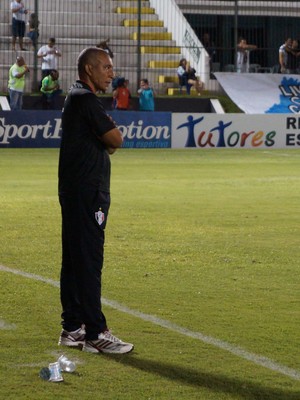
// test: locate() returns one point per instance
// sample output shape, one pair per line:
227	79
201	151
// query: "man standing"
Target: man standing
243	55
50	54
293	54
16	83
18	22
211	51
89	136
283	55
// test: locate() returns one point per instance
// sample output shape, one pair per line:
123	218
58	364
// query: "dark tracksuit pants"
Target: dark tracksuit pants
84	216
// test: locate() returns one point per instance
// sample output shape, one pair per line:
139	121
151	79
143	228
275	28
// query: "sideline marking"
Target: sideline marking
238	351
7	326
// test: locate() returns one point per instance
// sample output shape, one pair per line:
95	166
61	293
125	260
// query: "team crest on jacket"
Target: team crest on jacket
99	215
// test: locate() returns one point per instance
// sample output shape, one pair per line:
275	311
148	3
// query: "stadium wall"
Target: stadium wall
31	129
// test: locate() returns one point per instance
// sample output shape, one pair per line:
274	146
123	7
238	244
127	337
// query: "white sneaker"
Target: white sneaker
72	339
107	343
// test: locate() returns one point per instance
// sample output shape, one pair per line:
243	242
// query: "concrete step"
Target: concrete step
71	6
160	50
90	31
168	79
152	36
131	60
145	22
177	91
76	45
120	43
129	3
163	64
134	10
75	11
87	17
60	18
68	6
69	59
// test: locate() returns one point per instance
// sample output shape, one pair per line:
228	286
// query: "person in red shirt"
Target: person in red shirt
122	95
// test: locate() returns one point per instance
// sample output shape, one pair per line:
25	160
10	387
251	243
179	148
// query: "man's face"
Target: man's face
20	61
101	72
55	75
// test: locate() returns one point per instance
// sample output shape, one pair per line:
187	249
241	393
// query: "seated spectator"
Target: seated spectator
182	75
121	95
193	80
50	89
187	77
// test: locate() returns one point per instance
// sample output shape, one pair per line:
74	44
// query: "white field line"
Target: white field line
238	351
4	326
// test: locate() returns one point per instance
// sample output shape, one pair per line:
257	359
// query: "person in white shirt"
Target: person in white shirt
18	22
283	54
49	54
243	55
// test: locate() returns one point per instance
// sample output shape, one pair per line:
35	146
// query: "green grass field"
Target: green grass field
201	274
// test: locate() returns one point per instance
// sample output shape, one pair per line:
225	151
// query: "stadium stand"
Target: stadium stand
77	24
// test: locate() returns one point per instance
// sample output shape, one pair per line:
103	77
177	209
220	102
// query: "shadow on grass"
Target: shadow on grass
218	383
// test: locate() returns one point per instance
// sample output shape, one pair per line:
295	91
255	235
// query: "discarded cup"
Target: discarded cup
55	372
45	373
65	364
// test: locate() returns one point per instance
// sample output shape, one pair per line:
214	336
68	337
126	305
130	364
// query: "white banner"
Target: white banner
207	131
259	93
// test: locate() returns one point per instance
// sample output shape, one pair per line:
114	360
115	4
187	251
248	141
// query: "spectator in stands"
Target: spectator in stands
104	46
18	22
50	54
187	77
211	51
193	80
50	89
292	59
16	83
146	96
33	25
243	55
283	54
122	95
182	75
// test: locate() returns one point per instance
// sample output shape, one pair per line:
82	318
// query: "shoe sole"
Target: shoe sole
91	349
69	343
